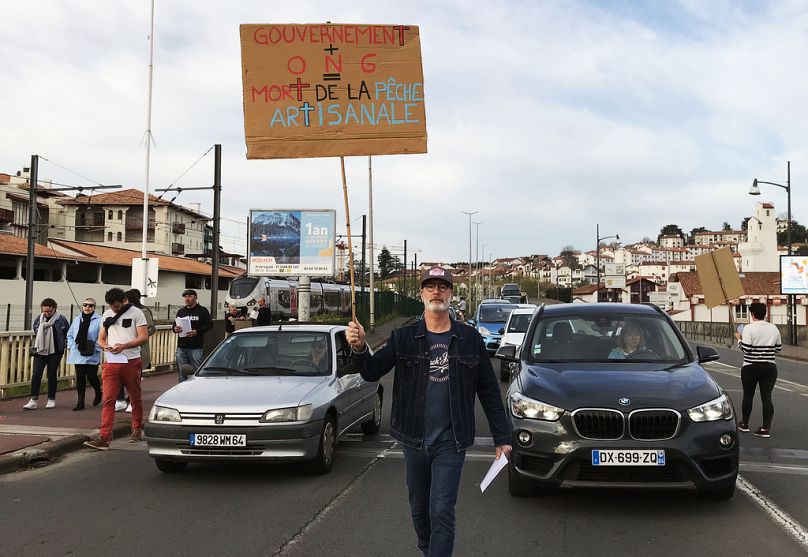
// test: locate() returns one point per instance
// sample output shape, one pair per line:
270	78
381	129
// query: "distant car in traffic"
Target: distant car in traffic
511	292
611	395
489	320
281	392
514	334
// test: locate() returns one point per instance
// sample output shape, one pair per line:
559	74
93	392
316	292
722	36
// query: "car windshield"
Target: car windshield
271	353
242	287
519	322
495	313
605	338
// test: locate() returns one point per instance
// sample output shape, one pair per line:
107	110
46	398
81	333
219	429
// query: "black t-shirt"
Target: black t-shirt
437	411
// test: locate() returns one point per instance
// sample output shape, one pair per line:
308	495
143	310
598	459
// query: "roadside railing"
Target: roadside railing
16	363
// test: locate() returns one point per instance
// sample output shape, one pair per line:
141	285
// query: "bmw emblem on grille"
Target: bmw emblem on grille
623	402
219	419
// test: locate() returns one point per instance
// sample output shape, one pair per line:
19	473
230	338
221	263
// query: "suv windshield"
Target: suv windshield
271	353
605	338
495	313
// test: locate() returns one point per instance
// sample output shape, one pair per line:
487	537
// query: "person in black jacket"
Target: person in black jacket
189	347
48	347
263	314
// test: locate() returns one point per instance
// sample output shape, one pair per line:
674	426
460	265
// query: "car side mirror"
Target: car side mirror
507	353
501	331
187	371
706	354
348	369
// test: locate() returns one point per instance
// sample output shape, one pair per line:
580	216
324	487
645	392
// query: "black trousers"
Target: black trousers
86	373
752	375
51	362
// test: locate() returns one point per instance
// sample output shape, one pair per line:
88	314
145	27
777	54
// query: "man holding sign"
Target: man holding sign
440	365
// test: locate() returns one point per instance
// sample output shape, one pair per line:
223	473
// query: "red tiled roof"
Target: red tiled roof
754	283
131	196
14	245
123	257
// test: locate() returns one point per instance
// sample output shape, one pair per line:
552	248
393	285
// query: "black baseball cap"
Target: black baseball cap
189	292
438	273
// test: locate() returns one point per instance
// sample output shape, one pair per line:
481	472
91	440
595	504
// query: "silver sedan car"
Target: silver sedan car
282	392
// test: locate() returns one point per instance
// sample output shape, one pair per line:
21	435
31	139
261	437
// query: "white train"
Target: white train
281	295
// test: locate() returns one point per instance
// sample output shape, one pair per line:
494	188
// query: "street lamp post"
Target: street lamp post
755	190
597	258
477	253
471	291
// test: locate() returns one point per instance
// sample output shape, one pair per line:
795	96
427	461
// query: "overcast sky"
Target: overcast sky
546	117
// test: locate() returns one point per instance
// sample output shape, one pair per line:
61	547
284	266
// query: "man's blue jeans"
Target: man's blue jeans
188	356
433	480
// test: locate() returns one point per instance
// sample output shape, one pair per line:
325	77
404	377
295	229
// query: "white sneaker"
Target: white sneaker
129	408
51	403
120	405
31	405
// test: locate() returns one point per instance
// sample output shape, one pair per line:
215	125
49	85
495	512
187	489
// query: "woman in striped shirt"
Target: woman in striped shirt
759	341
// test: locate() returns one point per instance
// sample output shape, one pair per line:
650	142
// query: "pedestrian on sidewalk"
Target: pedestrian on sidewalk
133	297
50	340
436	360
123	332
189	347
262	314
230	318
759	341
85	354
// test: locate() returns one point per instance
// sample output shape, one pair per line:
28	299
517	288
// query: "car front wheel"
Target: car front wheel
371	427
324	460
170	466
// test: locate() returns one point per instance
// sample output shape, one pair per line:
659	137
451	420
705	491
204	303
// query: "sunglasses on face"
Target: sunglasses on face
88	305
439	286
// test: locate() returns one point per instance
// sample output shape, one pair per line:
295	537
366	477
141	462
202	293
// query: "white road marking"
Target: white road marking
777	515
767	467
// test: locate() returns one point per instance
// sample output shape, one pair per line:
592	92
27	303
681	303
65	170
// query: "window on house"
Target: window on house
741	311
120	215
110	215
109	236
120	236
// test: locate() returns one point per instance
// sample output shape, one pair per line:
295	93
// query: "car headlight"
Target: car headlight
718	409
163	414
524	407
294	414
484	331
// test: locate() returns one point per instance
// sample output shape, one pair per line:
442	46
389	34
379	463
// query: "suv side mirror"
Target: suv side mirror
706	354
507	353
501	331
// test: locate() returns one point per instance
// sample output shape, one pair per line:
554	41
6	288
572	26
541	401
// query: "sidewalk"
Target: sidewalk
789	352
31	436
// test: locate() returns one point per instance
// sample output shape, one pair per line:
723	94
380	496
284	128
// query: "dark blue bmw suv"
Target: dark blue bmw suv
611	395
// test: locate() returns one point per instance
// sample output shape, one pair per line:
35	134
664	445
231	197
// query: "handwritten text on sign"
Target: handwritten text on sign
332	90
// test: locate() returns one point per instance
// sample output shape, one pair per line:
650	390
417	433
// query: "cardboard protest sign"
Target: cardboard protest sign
323	90
719	277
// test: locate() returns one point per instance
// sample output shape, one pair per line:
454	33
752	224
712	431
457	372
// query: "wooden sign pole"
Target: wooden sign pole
350	243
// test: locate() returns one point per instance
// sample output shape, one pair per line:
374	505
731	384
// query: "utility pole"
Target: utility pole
217	210
362	264
33	229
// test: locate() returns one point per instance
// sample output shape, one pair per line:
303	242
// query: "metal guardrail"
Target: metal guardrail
16	363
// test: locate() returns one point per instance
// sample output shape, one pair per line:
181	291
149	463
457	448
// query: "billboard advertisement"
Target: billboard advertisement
794	274
298	242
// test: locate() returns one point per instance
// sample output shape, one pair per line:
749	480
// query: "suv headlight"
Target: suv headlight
524	407
718	409
483	331
163	414
294	414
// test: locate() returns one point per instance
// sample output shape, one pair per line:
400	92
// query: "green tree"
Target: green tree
670	229
798	234
388	263
726	227
693	232
745	223
569	257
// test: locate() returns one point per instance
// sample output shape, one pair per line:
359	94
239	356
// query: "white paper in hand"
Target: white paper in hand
112	358
183	323
495	469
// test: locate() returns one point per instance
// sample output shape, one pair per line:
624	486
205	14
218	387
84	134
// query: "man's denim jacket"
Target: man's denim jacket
470	373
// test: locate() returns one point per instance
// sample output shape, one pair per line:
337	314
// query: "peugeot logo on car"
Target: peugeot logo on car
623	401
219	419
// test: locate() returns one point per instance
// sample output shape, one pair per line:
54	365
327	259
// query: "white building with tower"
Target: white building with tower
759	251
